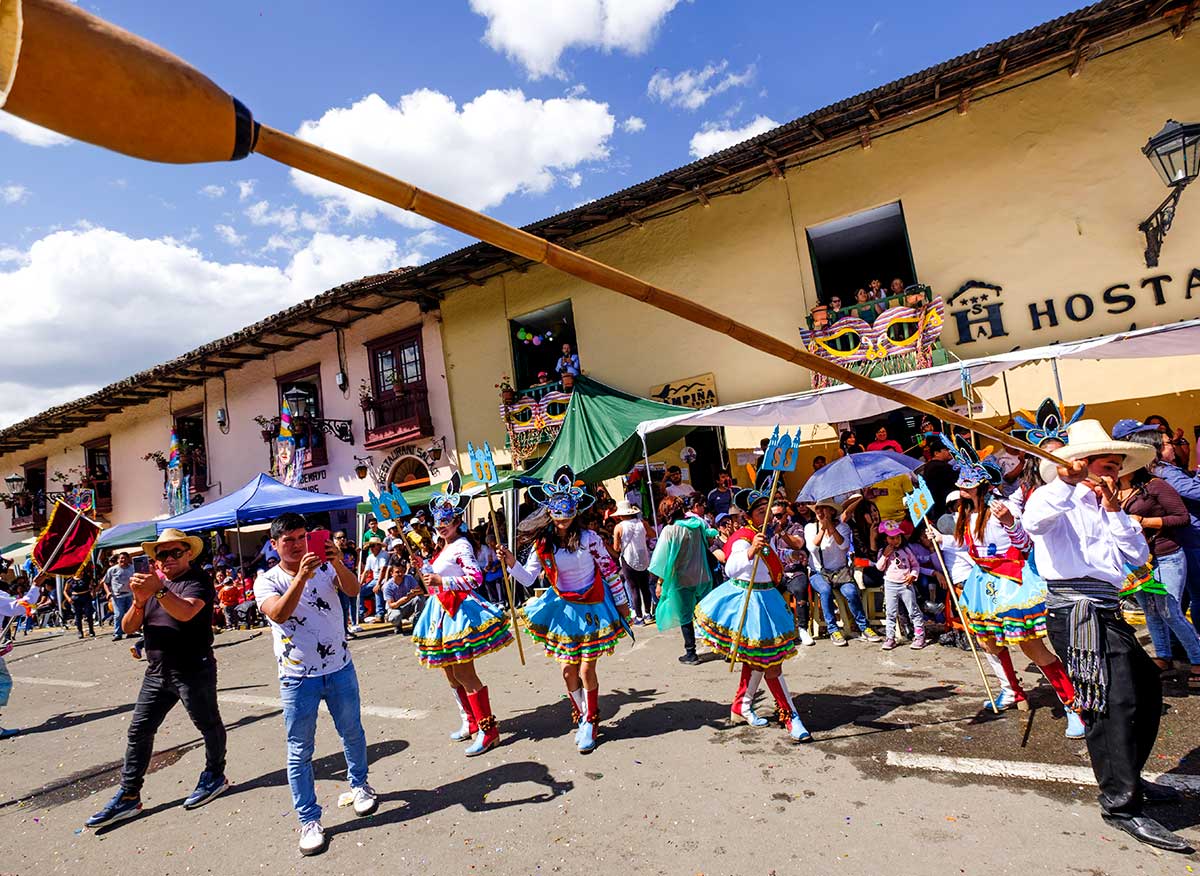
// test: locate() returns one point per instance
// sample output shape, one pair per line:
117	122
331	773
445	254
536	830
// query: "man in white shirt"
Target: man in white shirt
675	485
1083	545
374	573
299	597
830	552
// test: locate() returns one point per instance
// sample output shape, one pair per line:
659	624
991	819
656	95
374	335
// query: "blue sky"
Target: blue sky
523	108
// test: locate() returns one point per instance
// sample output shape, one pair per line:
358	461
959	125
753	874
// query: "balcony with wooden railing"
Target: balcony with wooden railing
397	420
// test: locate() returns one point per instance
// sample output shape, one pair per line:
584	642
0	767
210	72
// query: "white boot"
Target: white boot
463	733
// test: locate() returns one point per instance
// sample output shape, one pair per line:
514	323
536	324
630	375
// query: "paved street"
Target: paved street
671	789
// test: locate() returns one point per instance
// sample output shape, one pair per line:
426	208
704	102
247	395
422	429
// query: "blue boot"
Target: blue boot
585	739
797	730
1004	701
1075	728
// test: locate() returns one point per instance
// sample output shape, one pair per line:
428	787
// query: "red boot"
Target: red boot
489	732
1056	674
743	701
593	706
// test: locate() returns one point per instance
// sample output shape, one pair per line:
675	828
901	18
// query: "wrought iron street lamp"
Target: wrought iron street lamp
297	400
1174	152
15	483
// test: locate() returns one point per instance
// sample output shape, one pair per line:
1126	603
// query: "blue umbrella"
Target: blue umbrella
854	473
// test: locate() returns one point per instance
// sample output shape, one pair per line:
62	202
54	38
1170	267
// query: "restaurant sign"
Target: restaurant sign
690	392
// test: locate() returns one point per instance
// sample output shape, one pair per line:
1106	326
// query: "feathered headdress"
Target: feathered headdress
449	503
1048	425
972	472
746	499
560	496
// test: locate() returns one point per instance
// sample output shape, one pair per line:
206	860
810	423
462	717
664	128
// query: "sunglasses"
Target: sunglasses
172	554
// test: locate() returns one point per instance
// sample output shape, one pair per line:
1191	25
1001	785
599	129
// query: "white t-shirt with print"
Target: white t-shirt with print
312	641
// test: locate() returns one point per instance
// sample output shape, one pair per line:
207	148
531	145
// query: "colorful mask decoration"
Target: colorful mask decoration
1047	425
562	497
527	414
972	472
449	503
898	331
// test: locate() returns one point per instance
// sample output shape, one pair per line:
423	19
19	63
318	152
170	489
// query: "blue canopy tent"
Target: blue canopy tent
263	499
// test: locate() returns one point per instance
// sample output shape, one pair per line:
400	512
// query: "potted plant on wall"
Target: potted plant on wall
67	478
158	458
507	393
267	427
365	399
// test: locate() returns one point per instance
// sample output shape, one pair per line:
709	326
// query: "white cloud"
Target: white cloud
12	193
147	301
228	234
288	218
713	138
633	125
213	191
576	90
29	133
9	254
535	33
691	89
245	188
574	180
876	27
496	145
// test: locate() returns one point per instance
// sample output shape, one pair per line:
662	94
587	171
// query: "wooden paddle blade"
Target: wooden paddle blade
69	71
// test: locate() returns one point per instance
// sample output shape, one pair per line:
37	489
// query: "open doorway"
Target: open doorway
537	342
848	253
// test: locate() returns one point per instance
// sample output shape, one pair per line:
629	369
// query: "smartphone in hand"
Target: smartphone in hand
317	539
141	564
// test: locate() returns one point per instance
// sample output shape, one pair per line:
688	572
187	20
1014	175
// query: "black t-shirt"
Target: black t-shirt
940	477
79	590
175	644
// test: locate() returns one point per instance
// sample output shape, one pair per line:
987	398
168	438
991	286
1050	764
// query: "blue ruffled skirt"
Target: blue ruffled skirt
571	632
769	635
477	628
1003	610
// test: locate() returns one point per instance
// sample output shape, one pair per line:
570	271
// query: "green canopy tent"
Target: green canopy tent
599	437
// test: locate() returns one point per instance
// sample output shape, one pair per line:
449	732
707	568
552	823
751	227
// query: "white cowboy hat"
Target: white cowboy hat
1087	438
173	536
624	509
829	503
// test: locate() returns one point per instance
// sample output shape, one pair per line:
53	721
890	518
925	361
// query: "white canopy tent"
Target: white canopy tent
841	403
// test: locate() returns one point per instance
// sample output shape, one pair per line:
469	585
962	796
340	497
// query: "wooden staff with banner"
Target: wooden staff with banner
780	456
67	70
918	503
484	468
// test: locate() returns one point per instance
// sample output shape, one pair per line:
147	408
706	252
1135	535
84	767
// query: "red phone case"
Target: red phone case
317	539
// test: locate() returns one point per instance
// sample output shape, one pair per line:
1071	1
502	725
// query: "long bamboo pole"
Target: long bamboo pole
306	157
512	602
737	636
962	615
70	71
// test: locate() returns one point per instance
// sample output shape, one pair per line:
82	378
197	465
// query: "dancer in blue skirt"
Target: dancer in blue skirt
458	626
769	635
580	618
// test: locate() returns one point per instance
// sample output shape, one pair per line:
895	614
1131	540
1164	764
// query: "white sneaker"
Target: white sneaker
312	838
354	628
365	801
805	637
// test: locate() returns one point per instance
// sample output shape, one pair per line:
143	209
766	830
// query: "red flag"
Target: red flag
65	545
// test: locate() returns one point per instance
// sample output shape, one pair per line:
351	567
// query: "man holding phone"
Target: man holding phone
173	609
116	587
299	597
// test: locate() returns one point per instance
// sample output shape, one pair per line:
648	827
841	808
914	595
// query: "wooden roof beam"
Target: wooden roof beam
964	101
701	196
233	354
1078	61
1003	65
1079	35
356	308
292	333
332	323
864	136
274	348
873	110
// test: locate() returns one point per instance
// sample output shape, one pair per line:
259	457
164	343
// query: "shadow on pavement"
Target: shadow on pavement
552	720
331	766
63	720
108	775
824	711
471	793
667	717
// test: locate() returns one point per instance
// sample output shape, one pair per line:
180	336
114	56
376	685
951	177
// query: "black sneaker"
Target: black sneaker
689	659
209	786
119	808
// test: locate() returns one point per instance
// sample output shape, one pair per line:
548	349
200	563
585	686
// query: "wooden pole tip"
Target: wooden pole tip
93	81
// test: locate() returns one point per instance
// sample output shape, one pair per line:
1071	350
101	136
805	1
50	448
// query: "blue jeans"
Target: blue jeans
1163	613
301	698
849	591
1192	552
121	604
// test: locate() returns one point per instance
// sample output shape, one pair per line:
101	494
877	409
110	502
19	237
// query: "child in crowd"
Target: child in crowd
900	570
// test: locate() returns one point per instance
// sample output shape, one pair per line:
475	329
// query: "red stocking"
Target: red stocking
1011	674
1060	681
593	705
